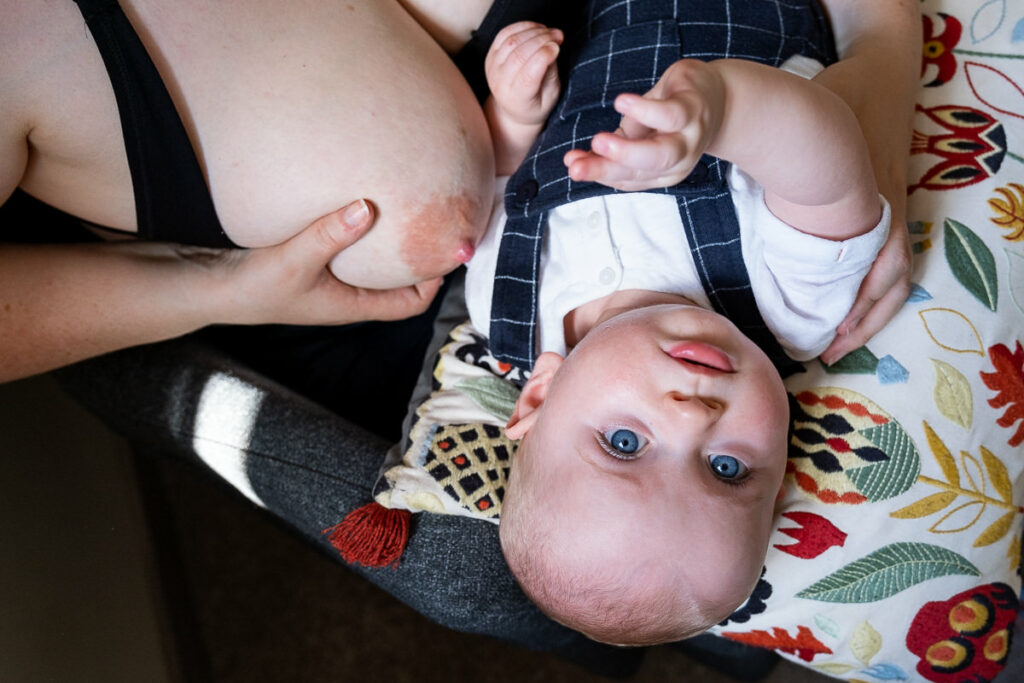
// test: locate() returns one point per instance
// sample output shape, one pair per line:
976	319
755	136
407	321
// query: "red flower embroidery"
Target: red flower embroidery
814	536
972	150
965	638
1008	382
938	47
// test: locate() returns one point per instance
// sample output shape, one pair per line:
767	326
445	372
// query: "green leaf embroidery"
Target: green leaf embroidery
858	362
972	262
888	571
495	396
888	478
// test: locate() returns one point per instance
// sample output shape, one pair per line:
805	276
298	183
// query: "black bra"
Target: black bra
172	201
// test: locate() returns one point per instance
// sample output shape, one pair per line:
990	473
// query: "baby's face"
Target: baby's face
666	425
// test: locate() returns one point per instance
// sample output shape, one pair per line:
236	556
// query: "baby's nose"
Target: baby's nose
695	407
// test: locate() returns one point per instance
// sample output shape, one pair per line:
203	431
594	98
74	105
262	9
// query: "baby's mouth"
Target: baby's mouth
701	357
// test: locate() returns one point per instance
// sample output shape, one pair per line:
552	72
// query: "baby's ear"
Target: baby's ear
533	394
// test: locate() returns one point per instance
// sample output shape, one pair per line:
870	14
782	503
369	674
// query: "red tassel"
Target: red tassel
373	535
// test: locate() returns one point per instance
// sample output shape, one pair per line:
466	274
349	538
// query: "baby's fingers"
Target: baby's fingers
515	45
590	167
655	155
667	116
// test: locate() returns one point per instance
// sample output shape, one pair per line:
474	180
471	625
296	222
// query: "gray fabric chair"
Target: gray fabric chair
187	400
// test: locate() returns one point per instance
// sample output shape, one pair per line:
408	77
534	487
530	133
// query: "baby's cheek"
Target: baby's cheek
441	234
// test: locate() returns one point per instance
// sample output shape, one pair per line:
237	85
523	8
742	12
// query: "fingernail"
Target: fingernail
356	213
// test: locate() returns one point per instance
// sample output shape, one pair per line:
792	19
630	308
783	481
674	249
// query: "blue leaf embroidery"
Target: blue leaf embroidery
889	371
918	293
886	672
1018	32
987	20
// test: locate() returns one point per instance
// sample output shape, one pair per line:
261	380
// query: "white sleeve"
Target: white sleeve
804	285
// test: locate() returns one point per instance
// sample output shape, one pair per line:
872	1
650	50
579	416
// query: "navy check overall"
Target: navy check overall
625	46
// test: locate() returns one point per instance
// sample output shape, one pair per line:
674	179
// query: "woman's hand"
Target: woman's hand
62	303
878	75
290	283
883	291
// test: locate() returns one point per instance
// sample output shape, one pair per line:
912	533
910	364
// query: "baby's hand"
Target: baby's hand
521	71
662	134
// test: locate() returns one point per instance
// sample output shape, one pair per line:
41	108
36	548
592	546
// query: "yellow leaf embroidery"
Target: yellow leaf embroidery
865	643
942	456
972	485
952	394
997	475
995	530
1009	211
959	518
972	468
925	506
834	669
951	330
1013	552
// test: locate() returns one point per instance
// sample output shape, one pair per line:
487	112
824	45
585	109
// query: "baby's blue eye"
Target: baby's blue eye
727	467
623	443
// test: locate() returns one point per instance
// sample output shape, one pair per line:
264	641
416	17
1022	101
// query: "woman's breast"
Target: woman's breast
350	101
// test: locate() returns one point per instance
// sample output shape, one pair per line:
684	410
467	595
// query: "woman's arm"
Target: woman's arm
878	77
63	303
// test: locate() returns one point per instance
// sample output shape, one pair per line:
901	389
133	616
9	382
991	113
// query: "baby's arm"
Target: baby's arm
523	79
803	144
796	138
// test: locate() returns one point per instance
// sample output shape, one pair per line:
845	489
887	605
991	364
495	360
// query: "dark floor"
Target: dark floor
243	600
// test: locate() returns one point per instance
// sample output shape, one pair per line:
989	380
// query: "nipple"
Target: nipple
464	252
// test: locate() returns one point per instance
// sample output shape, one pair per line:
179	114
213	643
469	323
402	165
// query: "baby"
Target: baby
654	430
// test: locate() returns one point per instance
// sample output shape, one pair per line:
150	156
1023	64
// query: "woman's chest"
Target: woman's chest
290	109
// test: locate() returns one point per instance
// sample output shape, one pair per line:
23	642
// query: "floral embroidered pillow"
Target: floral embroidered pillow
897	546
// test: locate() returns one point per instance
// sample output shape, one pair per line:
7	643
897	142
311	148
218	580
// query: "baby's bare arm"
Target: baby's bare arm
803	144
800	141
